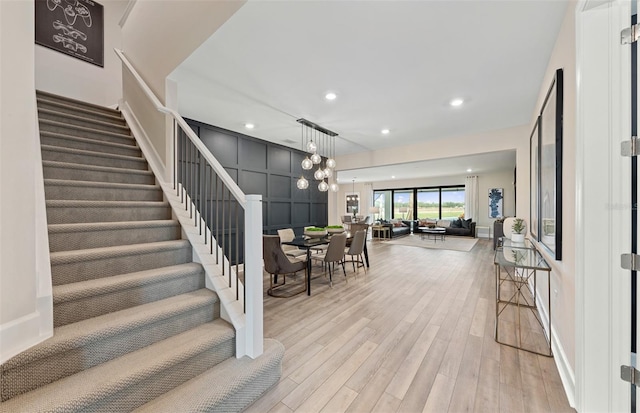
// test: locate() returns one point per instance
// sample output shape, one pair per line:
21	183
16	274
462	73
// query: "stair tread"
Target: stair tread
106	226
62	203
78	334
42	93
115	115
99	184
83	119
99	168
65	257
89	386
203	392
92	141
84	128
92	153
75	291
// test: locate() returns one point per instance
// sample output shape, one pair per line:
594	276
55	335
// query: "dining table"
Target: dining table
308	243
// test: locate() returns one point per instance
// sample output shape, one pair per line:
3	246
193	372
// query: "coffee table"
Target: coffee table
437	233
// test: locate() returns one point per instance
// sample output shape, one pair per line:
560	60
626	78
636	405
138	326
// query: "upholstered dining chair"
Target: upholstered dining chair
277	263
334	253
287	235
359	227
356	250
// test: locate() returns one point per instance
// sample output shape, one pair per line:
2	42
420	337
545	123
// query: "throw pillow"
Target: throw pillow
398	224
443	223
466	223
456	223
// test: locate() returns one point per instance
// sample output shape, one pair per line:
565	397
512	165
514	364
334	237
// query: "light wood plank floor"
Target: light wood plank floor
415	334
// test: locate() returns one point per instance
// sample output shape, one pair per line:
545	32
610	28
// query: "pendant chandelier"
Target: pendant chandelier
318	142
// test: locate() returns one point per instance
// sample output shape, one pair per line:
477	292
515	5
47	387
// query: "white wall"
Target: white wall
563	272
159	35
25	277
67	76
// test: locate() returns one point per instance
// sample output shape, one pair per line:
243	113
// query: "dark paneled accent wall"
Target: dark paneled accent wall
271	170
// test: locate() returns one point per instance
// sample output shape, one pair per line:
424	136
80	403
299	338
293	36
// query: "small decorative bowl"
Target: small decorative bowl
335	230
316	234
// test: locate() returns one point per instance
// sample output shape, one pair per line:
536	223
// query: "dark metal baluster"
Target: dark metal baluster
224	228
192	179
217	220
201	187
237	251
205	186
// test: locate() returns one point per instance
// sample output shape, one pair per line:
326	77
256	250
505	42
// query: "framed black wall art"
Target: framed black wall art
534	145
550	169
72	27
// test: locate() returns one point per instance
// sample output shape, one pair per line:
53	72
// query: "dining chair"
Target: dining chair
356	250
287	235
346	221
277	263
359	227
334	253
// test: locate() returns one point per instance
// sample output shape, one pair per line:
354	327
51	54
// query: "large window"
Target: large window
403	204
443	202
452	201
428	203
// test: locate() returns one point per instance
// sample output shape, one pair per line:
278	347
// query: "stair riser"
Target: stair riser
69	241
33	375
105	267
65	215
104	194
78	310
84	112
84	122
80	105
58	172
90	134
137	394
89	146
52	155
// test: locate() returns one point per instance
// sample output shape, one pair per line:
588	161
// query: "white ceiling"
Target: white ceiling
393	64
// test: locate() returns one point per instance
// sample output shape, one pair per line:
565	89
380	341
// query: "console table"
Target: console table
380	230
518	321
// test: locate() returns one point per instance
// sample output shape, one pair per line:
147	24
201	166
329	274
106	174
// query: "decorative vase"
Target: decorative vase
519	238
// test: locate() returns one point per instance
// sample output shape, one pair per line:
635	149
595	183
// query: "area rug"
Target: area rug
450	243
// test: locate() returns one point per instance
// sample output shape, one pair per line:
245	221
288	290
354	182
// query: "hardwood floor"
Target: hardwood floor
413	334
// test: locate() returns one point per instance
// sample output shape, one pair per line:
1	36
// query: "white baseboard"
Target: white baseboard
567	374
19	335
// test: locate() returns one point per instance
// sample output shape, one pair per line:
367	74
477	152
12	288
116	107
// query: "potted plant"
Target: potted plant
518	229
315	232
335	229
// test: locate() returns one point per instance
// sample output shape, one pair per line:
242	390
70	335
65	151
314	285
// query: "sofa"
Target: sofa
397	228
459	227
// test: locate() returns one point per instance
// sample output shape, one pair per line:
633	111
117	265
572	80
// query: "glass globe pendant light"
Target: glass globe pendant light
331	163
334	187
319	174
302	183
322	186
307	163
328	173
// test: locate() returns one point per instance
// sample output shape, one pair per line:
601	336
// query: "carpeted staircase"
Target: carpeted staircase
135	327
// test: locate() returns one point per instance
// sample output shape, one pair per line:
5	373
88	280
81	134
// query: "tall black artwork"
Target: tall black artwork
546	172
72	27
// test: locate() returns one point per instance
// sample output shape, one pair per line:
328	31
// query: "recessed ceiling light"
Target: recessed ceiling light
456	102
385	131
330	96
249	125
393	177
469	170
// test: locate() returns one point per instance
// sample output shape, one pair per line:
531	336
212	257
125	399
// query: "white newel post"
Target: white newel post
253	276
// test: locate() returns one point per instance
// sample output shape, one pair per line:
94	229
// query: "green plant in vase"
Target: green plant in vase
518	229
